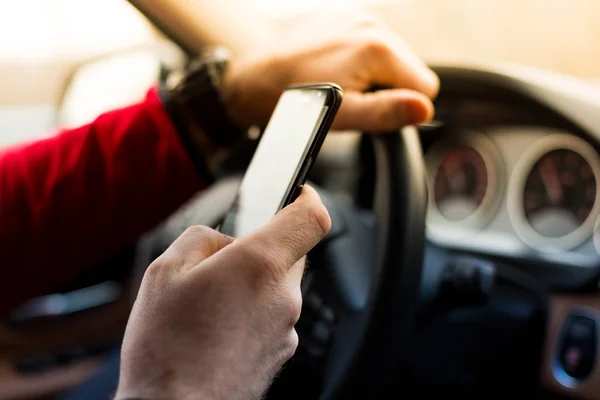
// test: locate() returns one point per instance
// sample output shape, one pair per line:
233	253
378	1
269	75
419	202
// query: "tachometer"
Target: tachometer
465	175
461	182
554	193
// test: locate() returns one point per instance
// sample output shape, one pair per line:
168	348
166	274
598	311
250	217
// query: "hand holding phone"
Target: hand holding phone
284	156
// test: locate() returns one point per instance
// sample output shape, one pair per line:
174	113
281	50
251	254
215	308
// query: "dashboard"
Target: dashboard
520	189
512	177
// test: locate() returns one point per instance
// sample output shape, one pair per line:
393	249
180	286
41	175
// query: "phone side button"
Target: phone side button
297	192
302	177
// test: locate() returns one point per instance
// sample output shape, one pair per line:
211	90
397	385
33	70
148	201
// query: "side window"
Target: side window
113	81
63	62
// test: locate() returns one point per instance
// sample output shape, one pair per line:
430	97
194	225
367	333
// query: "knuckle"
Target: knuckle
194	245
289	303
156	271
291	344
197	230
293	309
374	46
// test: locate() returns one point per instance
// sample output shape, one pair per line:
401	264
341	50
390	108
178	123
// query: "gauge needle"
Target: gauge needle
456	176
551	181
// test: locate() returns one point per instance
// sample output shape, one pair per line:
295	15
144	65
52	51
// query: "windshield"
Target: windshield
49	74
558	35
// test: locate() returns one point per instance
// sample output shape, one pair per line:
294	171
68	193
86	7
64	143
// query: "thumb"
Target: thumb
279	244
383	110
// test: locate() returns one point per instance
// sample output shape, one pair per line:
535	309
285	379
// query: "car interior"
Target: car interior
464	257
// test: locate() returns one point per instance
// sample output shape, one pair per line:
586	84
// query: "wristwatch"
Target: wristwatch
195	103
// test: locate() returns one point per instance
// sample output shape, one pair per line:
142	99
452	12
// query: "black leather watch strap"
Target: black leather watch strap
182	127
199	93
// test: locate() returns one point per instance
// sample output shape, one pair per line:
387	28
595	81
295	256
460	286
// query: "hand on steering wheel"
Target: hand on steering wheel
357	53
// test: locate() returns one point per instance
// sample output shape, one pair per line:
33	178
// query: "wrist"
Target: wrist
250	90
203	102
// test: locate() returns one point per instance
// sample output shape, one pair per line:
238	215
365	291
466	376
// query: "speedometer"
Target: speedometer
554	193
559	193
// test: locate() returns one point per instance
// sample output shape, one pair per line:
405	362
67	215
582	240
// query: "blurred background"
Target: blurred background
62	62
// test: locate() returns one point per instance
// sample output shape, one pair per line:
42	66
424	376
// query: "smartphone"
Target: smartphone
284	156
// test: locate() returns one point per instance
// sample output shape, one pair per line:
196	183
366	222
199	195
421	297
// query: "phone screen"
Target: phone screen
277	160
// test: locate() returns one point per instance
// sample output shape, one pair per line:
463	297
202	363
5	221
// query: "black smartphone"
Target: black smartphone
284	156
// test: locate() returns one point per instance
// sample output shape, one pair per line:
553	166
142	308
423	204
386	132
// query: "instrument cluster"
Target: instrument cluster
545	183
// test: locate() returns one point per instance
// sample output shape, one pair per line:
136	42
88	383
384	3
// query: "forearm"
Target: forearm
69	201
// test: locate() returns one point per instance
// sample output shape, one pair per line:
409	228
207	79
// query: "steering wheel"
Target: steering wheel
362	288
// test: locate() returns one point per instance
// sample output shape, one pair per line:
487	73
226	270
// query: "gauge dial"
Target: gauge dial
460	184
554	193
465	175
596	235
559	193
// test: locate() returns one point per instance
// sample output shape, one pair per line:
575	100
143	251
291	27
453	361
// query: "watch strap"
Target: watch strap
199	93
181	124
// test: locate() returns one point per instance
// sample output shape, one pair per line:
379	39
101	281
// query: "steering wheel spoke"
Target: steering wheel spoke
322	309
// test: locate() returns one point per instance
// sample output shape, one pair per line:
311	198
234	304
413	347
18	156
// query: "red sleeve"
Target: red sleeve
70	201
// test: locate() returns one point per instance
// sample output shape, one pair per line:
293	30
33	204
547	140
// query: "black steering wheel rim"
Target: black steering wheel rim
369	359
399	205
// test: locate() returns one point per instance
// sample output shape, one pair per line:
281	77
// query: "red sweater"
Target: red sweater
72	200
